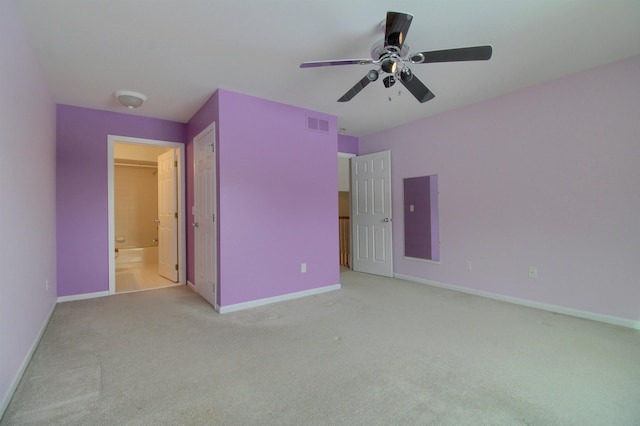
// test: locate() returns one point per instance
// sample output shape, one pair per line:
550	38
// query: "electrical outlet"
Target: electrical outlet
533	272
303	267
468	266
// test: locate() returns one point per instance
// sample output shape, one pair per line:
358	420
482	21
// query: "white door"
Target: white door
371	213
168	216
204	214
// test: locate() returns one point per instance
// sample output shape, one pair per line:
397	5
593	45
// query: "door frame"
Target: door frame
180	151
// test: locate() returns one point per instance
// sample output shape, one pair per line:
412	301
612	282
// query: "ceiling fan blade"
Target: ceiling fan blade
476	53
416	87
396	29
355	89
336	62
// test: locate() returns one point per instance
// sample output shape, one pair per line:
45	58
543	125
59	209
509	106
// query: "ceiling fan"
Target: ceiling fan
391	58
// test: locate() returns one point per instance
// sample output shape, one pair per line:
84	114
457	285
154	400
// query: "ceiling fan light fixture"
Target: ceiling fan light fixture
372	75
389	81
389	66
129	98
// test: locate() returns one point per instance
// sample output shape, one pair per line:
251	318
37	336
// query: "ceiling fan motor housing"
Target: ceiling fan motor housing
379	50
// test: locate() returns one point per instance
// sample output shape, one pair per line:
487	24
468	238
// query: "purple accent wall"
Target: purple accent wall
547	176
348	144
81	190
277	199
27	200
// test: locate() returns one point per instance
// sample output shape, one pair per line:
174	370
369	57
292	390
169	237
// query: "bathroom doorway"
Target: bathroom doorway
139	198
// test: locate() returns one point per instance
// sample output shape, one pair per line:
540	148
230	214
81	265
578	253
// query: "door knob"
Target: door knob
157	221
386	220
195	224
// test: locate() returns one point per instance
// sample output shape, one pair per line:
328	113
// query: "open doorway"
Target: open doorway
344	208
146	214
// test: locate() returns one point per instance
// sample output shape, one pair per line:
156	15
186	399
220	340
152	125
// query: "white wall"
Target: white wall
27	201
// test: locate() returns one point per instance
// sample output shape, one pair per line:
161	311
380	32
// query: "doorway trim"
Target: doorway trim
180	150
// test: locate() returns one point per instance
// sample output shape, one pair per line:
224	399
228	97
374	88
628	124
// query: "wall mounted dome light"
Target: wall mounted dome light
129	98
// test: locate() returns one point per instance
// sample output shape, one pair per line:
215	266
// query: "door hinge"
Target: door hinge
213	217
176	266
213	147
175	215
175	163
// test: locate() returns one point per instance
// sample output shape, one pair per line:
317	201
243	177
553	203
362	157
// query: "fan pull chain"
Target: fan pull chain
399	93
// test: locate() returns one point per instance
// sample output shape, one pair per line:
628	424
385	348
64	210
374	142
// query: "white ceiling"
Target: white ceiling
178	52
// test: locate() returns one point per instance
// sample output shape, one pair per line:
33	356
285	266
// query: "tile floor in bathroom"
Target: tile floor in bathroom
139	276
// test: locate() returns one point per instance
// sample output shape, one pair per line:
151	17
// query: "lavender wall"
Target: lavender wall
277	200
348	144
27	200
546	177
81	190
206	115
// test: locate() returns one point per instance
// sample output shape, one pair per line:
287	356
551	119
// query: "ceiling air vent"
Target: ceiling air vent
317	124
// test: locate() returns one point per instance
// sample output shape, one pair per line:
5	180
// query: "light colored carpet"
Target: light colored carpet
378	352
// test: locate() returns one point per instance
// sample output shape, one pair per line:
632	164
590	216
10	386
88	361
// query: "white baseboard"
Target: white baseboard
82	296
23	367
269	300
191	285
529	303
